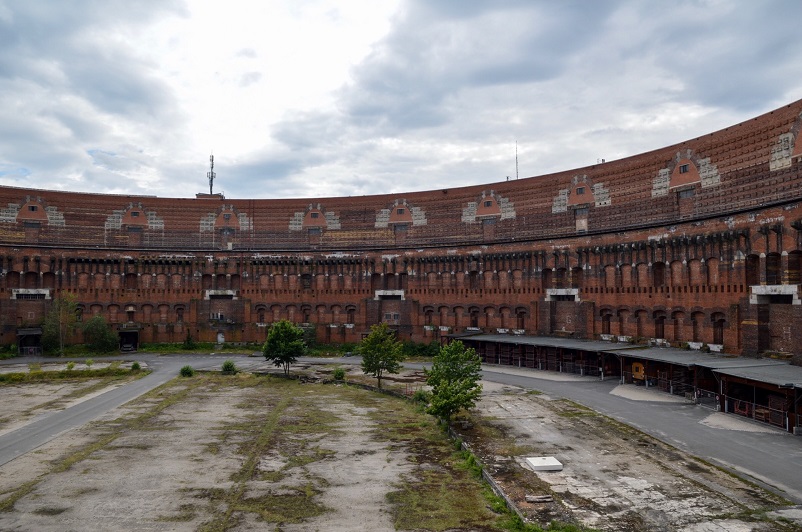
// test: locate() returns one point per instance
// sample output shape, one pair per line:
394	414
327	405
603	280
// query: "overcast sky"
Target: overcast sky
308	98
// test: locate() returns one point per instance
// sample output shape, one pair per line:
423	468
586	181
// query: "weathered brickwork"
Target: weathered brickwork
697	243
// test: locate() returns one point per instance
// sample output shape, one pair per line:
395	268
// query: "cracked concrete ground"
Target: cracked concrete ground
175	472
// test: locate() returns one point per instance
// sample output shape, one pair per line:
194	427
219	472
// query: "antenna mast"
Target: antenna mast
210	174
516	159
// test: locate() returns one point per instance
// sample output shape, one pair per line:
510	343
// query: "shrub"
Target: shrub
229	368
135	366
422	396
89	363
99	337
189	343
187	371
339	374
70	366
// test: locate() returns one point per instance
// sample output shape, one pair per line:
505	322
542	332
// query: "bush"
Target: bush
99	337
229	368
70	366
89	363
189	344
422	396
135	366
187	371
339	374
415	349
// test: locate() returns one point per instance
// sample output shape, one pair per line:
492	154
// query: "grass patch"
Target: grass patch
299	460
439	499
46	376
186	512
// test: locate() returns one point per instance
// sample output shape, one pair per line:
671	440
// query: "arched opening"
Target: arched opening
606	318
752	270
773	268
659	325
623	315
696	322
718	327
474	317
520	319
473	280
659	274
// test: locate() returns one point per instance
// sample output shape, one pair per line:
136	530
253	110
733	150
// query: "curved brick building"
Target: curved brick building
698	242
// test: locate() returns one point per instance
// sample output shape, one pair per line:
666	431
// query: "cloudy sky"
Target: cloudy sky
308	98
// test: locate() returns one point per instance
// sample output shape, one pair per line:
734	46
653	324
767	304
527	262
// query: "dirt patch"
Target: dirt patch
243	453
24	402
614	477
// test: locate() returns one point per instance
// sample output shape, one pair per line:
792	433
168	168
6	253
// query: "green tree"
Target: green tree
284	344
98	336
381	352
189	343
454	378
59	323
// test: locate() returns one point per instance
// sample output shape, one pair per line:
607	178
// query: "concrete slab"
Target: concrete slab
720	420
544	463
641	393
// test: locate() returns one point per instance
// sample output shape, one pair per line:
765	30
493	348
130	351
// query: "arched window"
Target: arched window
659	273
606	318
474	317
718	327
520	322
659	326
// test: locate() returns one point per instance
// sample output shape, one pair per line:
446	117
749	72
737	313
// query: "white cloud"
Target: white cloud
320	98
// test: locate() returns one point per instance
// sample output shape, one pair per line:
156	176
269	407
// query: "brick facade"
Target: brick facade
696	242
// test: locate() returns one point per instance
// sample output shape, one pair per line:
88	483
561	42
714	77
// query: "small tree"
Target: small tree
189	343
381	352
98	337
284	344
454	378
59	323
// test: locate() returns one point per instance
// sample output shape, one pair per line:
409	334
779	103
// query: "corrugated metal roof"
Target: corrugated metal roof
781	375
686	358
548	341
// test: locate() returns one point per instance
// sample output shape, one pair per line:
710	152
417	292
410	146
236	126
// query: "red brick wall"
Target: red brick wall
644	254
